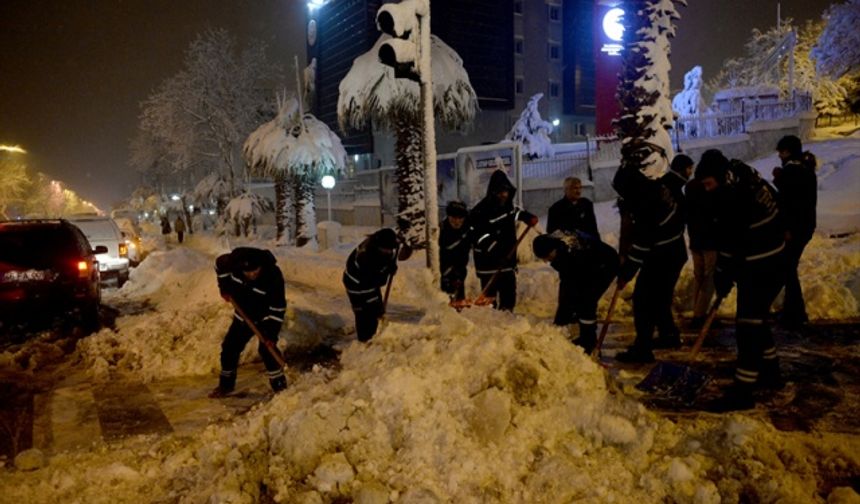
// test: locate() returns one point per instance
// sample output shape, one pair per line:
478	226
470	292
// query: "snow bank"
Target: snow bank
452	410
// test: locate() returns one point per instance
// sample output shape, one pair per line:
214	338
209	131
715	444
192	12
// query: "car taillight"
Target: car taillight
123	249
83	269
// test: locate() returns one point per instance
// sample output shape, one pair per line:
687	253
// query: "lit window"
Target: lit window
518	45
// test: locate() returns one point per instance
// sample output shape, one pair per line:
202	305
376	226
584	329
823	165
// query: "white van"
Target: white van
113	266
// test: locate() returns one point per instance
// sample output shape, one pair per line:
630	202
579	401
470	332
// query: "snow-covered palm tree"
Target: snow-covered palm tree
371	93
296	149
244	210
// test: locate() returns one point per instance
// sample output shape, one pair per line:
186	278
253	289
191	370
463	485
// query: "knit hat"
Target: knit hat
456	209
544	244
791	144
712	164
385	238
680	164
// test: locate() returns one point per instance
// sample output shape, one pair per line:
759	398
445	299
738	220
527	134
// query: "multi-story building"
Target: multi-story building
511	49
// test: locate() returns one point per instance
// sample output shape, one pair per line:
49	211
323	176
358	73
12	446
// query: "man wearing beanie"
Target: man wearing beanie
368	269
798	197
586	266
750	244
657	253
455	242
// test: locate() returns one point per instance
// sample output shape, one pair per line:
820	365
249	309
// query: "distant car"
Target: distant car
131	233
47	268
100	230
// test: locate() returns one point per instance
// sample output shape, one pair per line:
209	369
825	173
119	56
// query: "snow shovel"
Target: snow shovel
382	319
679	382
482	299
595	354
270	345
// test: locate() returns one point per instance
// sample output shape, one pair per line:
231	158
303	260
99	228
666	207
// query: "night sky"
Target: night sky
73	72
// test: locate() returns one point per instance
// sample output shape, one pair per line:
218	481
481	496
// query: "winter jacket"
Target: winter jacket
701	217
263	299
572	216
658	226
749	224
675	182
798	194
454	246
581	256
366	271
165	225
495	228
179	225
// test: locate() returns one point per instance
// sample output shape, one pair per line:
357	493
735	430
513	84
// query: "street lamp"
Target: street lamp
328	184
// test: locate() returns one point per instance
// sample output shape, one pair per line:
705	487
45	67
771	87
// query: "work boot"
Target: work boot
278	384
219	392
635	355
737	397
770	377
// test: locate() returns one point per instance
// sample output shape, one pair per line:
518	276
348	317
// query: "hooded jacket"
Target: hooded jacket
263	299
454	245
798	194
495	228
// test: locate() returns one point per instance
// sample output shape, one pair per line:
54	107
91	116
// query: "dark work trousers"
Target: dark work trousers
367	308
231	349
454	286
794	308
504	286
758	283
652	296
578	298
180	235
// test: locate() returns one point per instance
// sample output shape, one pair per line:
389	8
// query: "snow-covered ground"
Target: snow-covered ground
477	406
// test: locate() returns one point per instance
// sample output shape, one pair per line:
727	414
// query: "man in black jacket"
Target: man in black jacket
701	228
750	241
368	269
658	250
573	212
494	220
455	241
586	266
250	277
798	197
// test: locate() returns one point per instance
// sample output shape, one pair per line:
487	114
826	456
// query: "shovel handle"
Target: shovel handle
270	345
697	346
603	330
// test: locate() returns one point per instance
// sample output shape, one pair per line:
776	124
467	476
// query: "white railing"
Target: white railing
709	125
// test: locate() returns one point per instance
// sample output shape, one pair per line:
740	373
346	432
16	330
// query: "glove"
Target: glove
533	221
723	283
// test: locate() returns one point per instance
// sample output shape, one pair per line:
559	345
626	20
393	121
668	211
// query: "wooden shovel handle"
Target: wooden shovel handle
697	346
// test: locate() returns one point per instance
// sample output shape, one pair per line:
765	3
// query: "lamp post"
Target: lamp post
328	184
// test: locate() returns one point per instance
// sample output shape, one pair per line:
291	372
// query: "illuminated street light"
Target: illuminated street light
12	148
175	197
315	4
556	121
328	184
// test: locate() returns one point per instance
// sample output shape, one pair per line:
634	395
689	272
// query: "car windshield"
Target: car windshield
97	230
35	247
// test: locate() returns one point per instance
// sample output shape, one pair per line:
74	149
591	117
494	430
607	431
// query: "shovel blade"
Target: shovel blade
675	382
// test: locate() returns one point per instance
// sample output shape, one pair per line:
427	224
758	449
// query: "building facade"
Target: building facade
511	49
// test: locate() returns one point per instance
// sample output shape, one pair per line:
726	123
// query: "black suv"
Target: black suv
47	268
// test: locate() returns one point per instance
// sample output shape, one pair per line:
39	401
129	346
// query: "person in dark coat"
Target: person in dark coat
494	220
701	228
657	253
251	278
573	212
798	197
179	227
676	178
455	242
368	269
586	266
751	245
165	225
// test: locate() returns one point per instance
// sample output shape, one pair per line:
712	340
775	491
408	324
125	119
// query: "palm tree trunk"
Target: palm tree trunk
410	183
281	206
306	221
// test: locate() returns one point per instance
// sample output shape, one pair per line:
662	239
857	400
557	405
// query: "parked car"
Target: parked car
131	233
100	230
47	268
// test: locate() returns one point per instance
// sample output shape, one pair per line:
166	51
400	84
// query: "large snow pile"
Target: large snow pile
452	410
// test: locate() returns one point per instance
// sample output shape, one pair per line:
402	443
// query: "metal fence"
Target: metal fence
828	120
577	162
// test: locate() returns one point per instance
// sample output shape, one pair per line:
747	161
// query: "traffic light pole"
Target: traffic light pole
431	204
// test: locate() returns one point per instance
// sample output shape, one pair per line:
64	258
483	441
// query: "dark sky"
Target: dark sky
72	72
